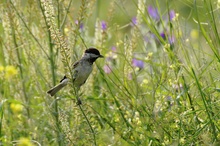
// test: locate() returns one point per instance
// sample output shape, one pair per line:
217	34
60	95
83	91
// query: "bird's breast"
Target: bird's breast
83	71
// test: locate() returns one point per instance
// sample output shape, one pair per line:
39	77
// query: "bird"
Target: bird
80	71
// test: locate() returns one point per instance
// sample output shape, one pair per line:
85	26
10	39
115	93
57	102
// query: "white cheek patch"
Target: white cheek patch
94	56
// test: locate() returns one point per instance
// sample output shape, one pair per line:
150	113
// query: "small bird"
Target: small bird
80	70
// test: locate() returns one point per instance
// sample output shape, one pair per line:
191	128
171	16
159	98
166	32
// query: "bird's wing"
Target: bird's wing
75	72
75	64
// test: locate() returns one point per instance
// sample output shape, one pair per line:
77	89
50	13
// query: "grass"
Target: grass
157	85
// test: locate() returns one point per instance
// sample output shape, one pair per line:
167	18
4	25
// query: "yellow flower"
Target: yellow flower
166	47
10	71
218	122
2	68
218	136
182	140
194	34
23	141
16	108
145	81
177	15
149	56
66	30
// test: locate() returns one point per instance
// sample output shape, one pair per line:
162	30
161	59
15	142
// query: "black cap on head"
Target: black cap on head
93	51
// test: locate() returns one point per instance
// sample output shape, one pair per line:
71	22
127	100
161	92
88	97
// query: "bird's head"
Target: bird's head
92	54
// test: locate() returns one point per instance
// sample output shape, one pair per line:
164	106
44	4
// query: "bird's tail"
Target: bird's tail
57	88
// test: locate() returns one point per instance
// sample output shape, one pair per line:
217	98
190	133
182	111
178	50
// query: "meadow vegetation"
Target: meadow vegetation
157	85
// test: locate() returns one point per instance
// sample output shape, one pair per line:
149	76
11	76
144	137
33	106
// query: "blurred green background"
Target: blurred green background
157	85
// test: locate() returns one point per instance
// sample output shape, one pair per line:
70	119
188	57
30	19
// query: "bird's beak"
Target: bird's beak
100	56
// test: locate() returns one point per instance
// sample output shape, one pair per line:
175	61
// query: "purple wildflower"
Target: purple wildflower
146	39
172	14
109	58
138	63
163	35
107	69
81	26
169	98
153	12
133	21
171	39
169	102
113	48
103	25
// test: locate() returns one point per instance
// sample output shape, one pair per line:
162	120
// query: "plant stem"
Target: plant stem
52	68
